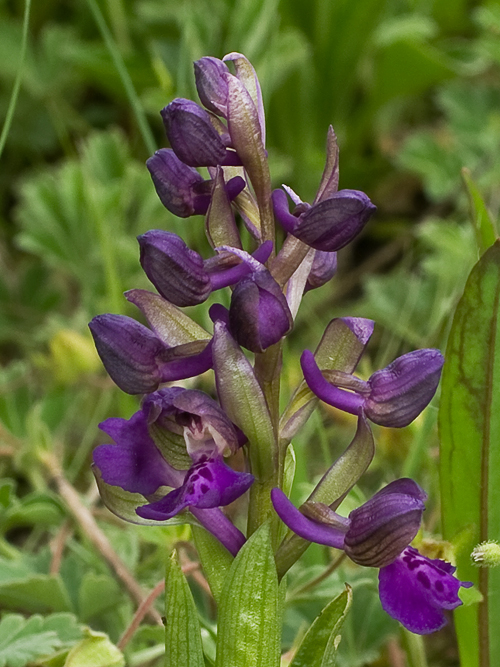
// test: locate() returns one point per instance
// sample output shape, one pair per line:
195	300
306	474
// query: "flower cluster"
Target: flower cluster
184	454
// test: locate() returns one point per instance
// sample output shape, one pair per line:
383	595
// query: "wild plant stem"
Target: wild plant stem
19	75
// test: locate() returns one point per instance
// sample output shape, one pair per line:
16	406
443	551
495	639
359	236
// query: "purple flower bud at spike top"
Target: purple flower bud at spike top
192	136
175	270
413	589
130	352
180	188
328	225
393	396
211	84
323	269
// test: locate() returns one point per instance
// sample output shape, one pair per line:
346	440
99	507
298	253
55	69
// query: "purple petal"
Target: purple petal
323	268
382	527
134	463
282	211
211	84
130	352
207	484
192	136
334	222
234	274
302	525
361	328
401	391
177	185
187	366
414	590
175	270
339	398
259	315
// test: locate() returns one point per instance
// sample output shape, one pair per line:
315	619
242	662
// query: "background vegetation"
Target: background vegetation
412	88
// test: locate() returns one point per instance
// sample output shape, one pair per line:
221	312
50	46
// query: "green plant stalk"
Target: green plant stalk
19	75
260	509
115	54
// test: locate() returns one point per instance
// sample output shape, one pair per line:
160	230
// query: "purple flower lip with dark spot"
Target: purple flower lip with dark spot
328	225
413	589
393	396
136	465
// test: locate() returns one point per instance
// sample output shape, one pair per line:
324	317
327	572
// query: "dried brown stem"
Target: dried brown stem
89	526
57	545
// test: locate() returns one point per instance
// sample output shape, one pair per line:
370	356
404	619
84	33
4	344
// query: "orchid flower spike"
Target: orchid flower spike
413	589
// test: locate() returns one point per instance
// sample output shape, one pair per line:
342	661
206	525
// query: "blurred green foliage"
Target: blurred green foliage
412	90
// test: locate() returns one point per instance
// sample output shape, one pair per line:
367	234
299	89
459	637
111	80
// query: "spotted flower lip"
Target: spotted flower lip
136	465
181	189
393	396
138	361
181	275
413	589
328	225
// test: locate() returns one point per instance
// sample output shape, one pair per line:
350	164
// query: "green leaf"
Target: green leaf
249	629
98	593
242	398
95	650
21	641
182	629
319	646
215	559
483	223
469	423
34	593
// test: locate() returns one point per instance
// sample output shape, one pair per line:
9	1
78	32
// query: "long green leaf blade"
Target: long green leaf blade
249	631
182	629
319	646
469	422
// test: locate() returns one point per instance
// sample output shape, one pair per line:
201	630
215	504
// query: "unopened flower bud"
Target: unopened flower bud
181	189
324	267
175	270
211	84
381	528
192	136
328	225
259	315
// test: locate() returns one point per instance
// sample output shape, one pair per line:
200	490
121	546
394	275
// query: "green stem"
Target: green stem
19	76
415	649
115	54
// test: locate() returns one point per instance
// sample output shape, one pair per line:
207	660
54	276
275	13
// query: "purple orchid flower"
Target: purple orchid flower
138	361
413	589
328	225
182	276
181	189
393	396
193	136
137	465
